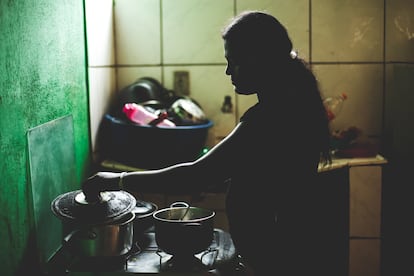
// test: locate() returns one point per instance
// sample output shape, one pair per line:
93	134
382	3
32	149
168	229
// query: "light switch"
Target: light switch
182	83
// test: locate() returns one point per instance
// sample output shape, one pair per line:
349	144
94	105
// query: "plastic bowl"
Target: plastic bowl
151	147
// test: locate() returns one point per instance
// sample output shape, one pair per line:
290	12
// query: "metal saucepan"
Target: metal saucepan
143	217
184	231
114	239
103	228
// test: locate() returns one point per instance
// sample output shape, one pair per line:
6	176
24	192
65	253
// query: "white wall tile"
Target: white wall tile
364	87
400	31
294	15
350	30
399	102
101	94
192	30
100	33
127	75
137	32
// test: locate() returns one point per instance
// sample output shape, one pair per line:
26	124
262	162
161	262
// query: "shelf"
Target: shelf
349	162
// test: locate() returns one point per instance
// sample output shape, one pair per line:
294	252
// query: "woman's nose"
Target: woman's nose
227	71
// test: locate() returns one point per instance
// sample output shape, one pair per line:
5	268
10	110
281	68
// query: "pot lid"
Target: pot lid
144	208
73	207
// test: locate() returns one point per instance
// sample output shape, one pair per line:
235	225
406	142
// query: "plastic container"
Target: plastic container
334	104
139	114
149	147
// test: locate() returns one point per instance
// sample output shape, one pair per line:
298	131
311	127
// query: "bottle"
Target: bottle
139	114
334	104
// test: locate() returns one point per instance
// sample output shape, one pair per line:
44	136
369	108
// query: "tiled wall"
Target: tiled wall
350	44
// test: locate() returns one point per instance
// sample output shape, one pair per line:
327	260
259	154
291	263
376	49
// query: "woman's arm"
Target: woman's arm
209	170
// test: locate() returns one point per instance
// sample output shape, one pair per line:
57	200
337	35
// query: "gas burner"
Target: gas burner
103	263
186	263
219	258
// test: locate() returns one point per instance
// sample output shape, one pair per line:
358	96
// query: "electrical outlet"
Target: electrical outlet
182	82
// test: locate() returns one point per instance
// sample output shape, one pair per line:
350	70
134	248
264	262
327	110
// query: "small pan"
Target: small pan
143	217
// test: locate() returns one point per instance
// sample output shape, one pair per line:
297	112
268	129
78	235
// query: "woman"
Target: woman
269	160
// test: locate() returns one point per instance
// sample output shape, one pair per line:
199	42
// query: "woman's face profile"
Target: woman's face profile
243	73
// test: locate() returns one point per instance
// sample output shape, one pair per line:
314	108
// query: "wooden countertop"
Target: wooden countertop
349	162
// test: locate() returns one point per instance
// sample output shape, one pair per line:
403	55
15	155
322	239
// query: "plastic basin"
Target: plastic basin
150	147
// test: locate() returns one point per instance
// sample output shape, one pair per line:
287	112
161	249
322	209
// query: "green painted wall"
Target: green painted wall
42	77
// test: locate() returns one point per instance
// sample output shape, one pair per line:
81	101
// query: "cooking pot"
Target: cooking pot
183	230
113	239
143	217
99	228
144	90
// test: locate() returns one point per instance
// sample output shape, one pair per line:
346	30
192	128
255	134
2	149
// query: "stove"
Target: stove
145	258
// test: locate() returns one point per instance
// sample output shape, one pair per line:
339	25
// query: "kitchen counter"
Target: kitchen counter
349	162
364	189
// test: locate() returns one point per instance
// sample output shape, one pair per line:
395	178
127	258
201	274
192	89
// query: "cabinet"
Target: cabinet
365	220
364	233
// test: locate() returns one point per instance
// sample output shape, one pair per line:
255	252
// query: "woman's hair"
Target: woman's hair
258	33
261	35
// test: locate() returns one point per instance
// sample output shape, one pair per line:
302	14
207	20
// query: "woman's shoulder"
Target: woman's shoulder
261	116
254	112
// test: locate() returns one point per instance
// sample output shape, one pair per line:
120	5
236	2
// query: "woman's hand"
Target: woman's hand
99	182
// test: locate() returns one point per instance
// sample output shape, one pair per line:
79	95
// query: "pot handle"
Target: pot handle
57	263
67	241
179	204
191	224
69	236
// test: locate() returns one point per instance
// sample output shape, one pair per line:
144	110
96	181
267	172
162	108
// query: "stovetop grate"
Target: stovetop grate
146	258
